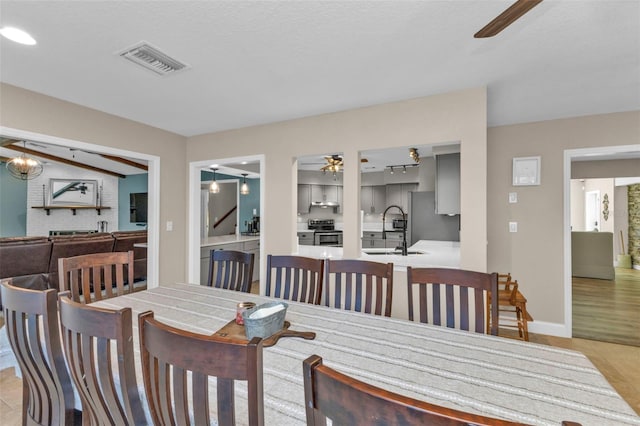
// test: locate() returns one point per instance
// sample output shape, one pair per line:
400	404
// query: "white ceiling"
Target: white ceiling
261	62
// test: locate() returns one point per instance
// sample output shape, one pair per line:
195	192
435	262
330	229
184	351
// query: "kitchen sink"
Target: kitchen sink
392	252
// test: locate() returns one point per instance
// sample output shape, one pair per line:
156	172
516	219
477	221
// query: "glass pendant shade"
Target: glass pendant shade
24	168
244	189
214	188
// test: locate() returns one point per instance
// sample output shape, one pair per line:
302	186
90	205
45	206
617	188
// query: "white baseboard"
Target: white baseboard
549	328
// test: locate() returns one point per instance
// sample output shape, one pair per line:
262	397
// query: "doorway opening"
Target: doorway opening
598	307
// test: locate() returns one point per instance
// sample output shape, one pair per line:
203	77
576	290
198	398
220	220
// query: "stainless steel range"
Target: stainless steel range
325	233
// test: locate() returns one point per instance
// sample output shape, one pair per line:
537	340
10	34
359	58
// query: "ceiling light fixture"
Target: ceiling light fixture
404	169
391	169
24	168
244	189
17	35
413	153
214	188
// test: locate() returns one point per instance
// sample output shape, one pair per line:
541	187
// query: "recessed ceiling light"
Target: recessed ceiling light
17	35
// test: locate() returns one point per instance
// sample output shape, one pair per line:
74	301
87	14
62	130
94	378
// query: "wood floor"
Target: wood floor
608	311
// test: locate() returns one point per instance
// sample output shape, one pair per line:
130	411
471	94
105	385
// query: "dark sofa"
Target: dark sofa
32	262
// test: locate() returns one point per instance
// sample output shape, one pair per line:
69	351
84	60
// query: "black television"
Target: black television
138	207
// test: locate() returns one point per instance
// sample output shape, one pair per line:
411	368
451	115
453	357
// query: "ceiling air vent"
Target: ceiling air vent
152	59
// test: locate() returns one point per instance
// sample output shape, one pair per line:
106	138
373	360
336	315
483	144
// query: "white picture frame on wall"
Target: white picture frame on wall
73	192
526	171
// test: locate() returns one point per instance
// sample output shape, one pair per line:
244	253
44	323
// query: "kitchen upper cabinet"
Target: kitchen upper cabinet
448	184
324	193
304	198
373	199
398	194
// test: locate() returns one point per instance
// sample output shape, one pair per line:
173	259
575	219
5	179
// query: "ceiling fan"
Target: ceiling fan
506	18
335	163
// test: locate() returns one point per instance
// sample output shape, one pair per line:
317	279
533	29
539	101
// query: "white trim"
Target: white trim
193	215
548	328
568	155
153	182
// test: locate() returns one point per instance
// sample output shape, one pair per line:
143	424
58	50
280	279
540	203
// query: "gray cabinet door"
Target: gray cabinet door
304	198
366	199
379	196
448	184
305	238
398	194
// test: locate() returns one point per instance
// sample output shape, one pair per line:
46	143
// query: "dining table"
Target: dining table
483	374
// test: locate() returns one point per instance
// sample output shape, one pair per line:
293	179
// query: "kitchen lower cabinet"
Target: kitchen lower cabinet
252	246
393	240
372	240
305	238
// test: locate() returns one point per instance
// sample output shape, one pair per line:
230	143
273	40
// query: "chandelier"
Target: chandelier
24	168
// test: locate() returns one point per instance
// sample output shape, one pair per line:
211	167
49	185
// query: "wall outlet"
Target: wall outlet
513	226
169	225
513	197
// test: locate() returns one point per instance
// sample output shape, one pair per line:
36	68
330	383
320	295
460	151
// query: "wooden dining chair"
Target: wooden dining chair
105	377
512	307
231	270
169	354
454	286
93	277
295	278
348	401
31	320
355	285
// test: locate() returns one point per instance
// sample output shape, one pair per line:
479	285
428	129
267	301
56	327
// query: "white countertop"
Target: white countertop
441	254
227	239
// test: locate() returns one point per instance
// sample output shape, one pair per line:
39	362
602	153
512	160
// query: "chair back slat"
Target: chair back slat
454	285
169	353
90	335
352	285
231	270
87	276
348	401
31	321
297	278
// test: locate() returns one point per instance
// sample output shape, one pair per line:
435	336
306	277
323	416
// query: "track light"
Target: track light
404	169
391	169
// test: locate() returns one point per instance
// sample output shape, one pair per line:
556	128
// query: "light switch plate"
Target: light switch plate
513	197
169	225
513	226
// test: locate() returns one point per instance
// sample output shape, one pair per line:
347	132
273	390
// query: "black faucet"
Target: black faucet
403	247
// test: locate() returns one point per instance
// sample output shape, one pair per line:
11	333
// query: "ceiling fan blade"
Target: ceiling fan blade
506	18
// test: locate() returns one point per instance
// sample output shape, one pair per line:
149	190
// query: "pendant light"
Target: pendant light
24	168
244	189
214	188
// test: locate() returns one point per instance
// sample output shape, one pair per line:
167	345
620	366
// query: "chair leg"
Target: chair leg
525	327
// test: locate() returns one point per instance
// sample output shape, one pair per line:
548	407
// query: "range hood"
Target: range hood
325	204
